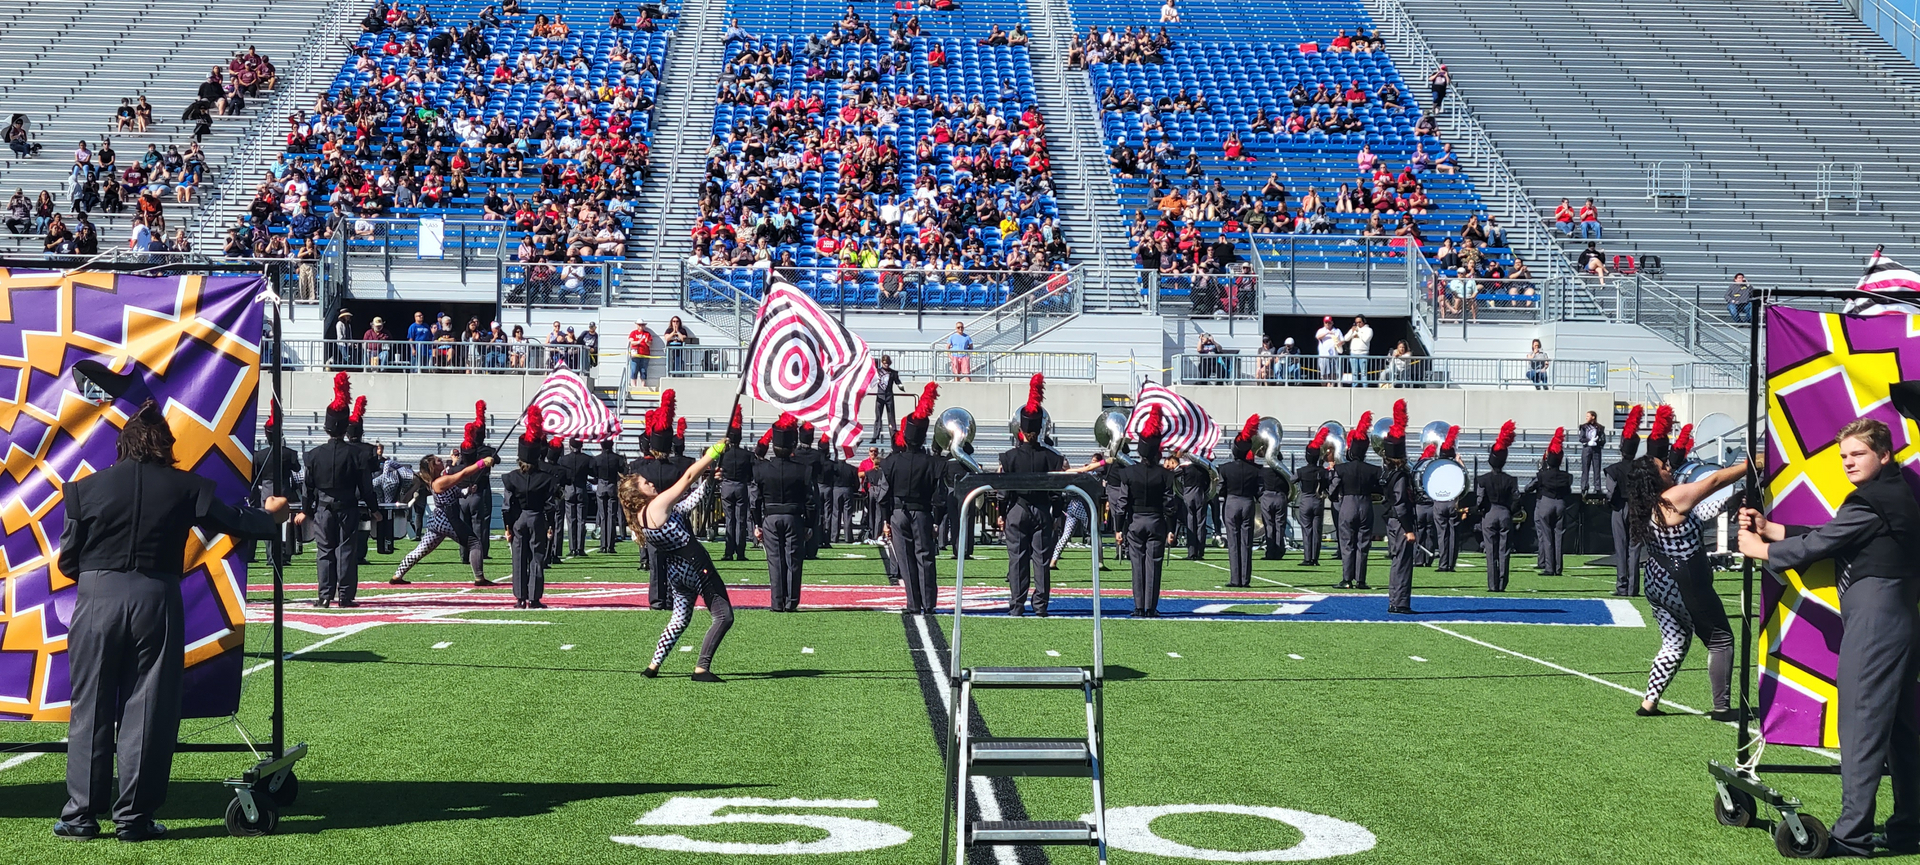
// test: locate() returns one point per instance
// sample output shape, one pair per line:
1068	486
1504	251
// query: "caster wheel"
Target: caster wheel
284	788
240	827
1814	848
1744	808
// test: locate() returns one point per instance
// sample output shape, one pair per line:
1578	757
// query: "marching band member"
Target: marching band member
1240	485
1354	484
1446	515
530	489
1195	494
1313	479
1027	518
576	469
1628	556
1425	535
339	493
1402	537
266	486
1493	497
1275	490
736	476
1147	493
815	460
369	463
656	447
476	499
910	480
608	466
1554	485
787	501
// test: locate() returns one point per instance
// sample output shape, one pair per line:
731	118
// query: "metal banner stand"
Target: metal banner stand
969	756
269	784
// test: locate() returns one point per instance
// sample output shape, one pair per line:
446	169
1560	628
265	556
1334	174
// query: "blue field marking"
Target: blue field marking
1511	610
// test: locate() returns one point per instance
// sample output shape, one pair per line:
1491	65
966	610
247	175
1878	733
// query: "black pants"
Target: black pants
609	518
1400	556
333	531
383	532
1237	522
478	509
1355	527
127	641
784	536
1446	535
1591	477
1425	542
576	505
1495	543
1628	557
1273	514
883	407
1877	721
733	497
1195	518
913	559
530	556
1029	543
1313	528
840	516
1549	527
1147	549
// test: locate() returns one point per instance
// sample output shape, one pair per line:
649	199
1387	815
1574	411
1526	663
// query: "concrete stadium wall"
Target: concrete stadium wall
1302	407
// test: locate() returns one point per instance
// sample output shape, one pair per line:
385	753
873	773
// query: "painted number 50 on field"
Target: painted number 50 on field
1129	829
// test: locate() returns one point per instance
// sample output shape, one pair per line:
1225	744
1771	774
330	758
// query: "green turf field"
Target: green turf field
458	741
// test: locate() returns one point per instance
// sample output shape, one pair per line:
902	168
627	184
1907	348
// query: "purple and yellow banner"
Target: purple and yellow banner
1823	371
193	342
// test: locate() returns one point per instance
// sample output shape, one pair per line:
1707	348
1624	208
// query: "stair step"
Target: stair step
1047	832
1027	677
1060	758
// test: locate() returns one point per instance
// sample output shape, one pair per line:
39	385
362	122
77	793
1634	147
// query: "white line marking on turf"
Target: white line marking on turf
20	760
982	787
441	645
1296	657
1625	614
567	648
686	648
1416	658
302	650
1212	565
1052	654
1275	582
806	650
1173	654
1832	755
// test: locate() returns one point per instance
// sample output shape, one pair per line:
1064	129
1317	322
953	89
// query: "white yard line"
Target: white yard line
982	786
1275	582
1831	755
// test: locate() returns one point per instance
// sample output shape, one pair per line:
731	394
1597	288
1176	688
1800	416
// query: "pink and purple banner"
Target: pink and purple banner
193	343
1823	371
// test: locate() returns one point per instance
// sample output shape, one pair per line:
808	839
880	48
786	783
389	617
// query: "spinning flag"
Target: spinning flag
1185	426
803	361
1884	274
569	408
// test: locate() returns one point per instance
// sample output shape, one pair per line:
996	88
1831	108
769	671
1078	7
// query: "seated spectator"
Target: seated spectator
123	116
1447	163
1589	220
1019	36
1341	43
737	33
19	139
1563	217
1169	13
1592	260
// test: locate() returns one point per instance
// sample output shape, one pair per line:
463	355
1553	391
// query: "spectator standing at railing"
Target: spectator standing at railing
497	347
639	351
959	344
1740	299
1399	365
1537	363
342	339
418	333
1327	339
1359	342
1263	365
517	351
676	337
378	343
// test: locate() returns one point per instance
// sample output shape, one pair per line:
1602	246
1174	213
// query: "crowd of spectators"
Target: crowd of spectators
858	165
439	345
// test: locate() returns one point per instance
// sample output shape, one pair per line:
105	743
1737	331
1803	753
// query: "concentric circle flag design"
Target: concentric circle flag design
1823	371
1188	427
806	362
570	408
193	342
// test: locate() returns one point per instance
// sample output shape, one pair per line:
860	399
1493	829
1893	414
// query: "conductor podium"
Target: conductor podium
970	756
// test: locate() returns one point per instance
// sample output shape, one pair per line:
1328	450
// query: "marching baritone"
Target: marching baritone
1240	485
1493	497
1355	482
1402	536
910	481
1313	479
1027	517
1275	492
1147	494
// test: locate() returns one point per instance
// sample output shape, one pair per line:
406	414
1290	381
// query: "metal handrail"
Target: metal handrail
1025	317
405	356
726	361
1477	153
1383	371
1893	24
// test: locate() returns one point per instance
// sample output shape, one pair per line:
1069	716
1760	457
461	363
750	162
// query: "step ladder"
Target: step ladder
970	756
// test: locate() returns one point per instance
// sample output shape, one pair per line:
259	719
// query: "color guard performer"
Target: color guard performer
608	466
339	493
1402	538
1493	497
1446	515
530	489
1628	556
1147	493
1313	479
1240	485
1355	482
657	502
786	504
910	480
736	476
1027	518
1554	486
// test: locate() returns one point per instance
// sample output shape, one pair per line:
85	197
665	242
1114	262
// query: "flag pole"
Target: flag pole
746	359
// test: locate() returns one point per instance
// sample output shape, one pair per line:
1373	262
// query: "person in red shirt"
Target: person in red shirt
1563	216
639	349
1341	42
937	57
1589	220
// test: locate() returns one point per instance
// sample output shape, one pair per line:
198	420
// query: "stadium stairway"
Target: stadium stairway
1090	214
68	65
682	116
1582	97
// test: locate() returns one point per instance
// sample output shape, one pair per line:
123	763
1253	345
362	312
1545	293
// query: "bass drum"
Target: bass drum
1443	480
1693	471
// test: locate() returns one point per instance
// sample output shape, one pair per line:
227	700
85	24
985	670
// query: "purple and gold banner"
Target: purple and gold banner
193	343
1823	371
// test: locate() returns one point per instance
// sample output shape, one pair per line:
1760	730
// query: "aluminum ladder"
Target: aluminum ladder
971	756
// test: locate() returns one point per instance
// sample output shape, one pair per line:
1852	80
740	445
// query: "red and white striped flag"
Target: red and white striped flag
569	408
1884	274
803	361
1185	425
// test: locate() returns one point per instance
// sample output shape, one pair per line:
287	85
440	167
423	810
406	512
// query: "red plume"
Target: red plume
1633	423
1248	429
899	439
1453	438
806	430
480	411
359	410
1684	441
1149	428
825	445
342	392
1662	422
1399	428
766	438
1319	440
1359	431
733	423
666	407
1036	391
536	425
1505	439
1427	452
471	439
680	428
1559	443
923	409
557	443
273	415
786	421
